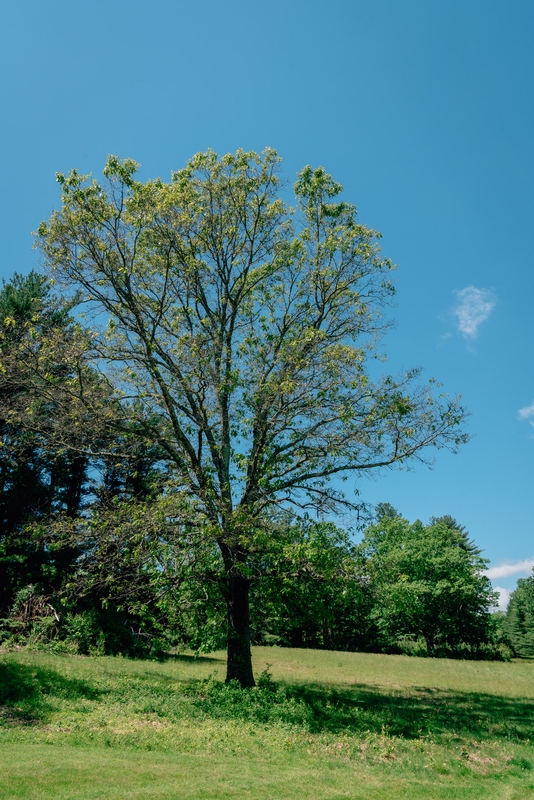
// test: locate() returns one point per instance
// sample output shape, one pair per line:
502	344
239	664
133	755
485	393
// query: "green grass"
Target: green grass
332	725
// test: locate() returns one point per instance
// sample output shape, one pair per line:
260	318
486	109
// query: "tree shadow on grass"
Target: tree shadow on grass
364	709
26	691
424	711
192	659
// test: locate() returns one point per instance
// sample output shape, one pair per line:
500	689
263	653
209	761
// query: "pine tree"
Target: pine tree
519	621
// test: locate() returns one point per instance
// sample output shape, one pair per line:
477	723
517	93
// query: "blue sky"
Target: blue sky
423	110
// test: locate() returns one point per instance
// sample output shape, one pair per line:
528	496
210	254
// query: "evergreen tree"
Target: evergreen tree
36	478
519	621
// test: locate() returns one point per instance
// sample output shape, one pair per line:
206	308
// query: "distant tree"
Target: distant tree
427	582
385	511
238	331
450	522
309	591
519	621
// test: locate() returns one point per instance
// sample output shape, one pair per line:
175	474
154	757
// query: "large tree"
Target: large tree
236	331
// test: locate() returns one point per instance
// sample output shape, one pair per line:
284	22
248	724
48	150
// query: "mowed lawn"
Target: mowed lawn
319	725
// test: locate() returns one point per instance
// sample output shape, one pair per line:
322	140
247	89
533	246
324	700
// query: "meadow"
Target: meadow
318	725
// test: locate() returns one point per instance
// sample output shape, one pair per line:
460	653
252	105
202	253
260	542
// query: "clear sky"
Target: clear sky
422	110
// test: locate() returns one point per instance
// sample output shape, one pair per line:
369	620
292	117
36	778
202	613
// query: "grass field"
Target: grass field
325	725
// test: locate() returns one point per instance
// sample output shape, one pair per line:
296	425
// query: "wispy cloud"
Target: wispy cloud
473	307
504	597
528	411
513	568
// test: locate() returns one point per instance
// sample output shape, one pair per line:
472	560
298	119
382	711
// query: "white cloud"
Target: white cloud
506	570
526	412
474	306
504	597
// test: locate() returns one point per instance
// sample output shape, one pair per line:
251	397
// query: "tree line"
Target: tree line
182	393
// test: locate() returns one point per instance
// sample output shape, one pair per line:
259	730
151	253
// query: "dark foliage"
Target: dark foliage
519	621
36	478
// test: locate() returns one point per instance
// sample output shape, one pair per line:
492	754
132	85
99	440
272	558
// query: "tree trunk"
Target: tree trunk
239	665
296	637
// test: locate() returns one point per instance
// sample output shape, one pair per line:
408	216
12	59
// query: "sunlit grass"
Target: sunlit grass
332	725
